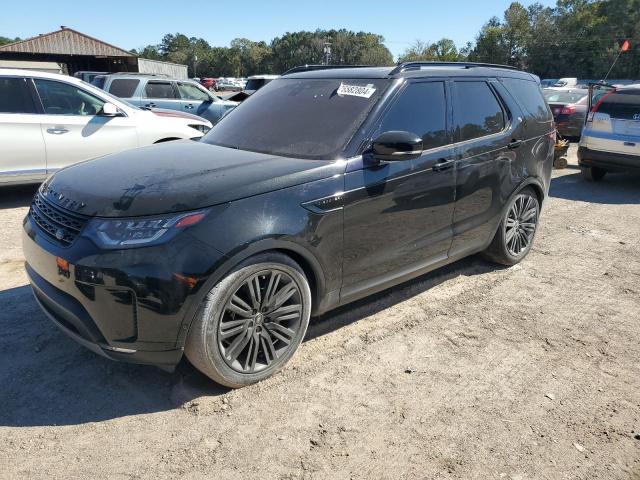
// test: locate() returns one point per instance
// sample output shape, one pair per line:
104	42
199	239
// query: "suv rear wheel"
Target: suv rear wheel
516	232
593	174
252	322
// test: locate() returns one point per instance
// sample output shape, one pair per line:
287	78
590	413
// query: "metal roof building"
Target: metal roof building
73	50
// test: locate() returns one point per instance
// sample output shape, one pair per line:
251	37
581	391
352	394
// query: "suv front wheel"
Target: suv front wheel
251	322
516	232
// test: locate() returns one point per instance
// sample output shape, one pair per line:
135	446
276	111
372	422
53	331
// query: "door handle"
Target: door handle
189	106
513	144
150	105
444	164
57	130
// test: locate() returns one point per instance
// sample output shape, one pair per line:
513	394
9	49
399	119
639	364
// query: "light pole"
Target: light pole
327	53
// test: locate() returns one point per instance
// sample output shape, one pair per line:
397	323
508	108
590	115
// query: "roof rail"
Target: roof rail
309	68
138	73
403	67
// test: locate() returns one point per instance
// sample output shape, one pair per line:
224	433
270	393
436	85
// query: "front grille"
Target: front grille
57	223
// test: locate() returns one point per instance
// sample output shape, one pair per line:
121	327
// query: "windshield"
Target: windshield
107	94
565	97
255	83
303	118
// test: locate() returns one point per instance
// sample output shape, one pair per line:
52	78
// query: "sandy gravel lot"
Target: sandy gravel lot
530	372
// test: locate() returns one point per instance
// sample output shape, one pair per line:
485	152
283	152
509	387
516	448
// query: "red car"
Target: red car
208	83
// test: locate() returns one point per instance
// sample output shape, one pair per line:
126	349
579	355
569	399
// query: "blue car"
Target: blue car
152	91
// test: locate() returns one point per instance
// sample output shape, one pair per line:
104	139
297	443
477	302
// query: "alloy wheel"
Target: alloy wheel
260	321
521	223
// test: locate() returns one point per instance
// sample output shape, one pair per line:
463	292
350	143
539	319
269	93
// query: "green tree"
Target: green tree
6	40
444	50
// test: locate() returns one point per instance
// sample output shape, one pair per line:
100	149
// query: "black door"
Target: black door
486	139
397	215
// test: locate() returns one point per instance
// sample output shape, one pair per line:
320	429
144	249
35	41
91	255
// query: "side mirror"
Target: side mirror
397	145
110	110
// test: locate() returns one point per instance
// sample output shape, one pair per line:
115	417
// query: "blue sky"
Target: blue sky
135	23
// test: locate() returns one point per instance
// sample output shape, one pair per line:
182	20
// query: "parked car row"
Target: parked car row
50	121
222	249
162	92
573	82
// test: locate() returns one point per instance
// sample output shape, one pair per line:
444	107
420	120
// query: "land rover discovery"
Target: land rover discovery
325	186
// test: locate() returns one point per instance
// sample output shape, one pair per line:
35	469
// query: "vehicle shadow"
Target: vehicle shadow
17	196
615	189
47	379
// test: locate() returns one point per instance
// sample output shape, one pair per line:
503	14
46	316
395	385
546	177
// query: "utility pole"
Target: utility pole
327	53
195	61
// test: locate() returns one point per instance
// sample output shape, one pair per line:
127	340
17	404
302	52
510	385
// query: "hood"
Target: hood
177	176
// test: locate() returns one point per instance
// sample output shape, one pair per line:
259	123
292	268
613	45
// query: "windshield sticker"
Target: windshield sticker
356	90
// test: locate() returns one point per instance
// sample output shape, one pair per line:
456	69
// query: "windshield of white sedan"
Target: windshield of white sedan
310	118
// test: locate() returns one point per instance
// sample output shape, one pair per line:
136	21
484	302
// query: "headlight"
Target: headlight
201	128
136	232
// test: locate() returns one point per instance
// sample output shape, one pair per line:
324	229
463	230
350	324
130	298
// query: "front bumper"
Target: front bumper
131	305
607	160
70	317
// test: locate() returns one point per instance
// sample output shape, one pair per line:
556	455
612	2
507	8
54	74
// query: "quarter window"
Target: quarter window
421	109
64	99
528	93
476	111
159	90
123	87
15	96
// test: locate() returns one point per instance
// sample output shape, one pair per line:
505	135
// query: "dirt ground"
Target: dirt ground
472	372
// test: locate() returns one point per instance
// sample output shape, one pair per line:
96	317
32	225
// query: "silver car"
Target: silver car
611	136
148	91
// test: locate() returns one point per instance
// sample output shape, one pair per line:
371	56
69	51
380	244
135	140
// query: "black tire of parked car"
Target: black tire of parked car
252	322
593	174
517	230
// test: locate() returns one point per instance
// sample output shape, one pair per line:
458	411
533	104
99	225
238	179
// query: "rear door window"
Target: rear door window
124	87
15	96
621	104
529	96
159	90
421	109
476	111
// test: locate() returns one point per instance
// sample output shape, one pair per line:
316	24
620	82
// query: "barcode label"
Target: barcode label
356	90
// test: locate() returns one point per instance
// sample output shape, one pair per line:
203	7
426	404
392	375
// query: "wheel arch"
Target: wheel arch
301	255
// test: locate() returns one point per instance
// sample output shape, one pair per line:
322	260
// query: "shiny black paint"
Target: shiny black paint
180	176
355	226
396	145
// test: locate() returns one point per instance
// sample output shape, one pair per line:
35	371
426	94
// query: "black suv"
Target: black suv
323	187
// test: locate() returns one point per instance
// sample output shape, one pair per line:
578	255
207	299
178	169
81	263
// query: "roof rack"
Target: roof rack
309	68
403	67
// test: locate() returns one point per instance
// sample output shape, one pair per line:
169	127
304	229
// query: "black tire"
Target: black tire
516	232
593	174
245	341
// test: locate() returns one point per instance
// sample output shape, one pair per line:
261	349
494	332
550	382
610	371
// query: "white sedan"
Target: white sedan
50	121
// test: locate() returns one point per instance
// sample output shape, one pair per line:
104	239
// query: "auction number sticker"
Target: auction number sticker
356	90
